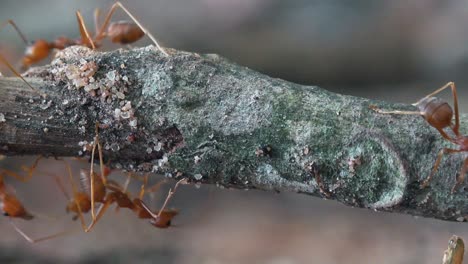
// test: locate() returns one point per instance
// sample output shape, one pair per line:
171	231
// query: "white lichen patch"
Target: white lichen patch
72	52
74	64
160	163
267	177
353	163
157	146
198	176
2	118
81	75
80	69
86	146
126	112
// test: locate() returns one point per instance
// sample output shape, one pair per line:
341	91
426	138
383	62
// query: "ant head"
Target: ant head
35	52
437	112
12	207
164	220
124	32
160	223
2	207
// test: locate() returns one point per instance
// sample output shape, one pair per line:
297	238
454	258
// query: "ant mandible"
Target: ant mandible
439	114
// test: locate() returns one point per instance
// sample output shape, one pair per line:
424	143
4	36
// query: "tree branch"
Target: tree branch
213	121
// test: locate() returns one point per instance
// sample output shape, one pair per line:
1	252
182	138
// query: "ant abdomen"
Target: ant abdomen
124	32
437	112
11	206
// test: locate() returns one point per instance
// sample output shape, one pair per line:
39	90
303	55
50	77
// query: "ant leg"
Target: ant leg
151	189
142	187
12	23
462	175
102	209
163	218
30	170
75	191
156	186
59	183
441	153
444	135
127	182
87	40
380	111
91	172
455	102
30	240
5	61
97	14
17	74
97	144
449	84
124	189
100	34
91	175
170	195
101	161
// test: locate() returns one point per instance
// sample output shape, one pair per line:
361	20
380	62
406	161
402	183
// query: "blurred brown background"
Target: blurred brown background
389	50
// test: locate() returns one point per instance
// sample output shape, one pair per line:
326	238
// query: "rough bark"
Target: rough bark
203	117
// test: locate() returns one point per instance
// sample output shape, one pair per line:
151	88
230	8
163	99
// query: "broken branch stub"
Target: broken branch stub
213	121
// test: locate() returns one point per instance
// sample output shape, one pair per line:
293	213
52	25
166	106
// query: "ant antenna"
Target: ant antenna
97	14
30	240
17	74
12	23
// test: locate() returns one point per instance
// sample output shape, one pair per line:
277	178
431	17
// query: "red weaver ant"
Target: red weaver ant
439	114
111	193
11	206
107	192
159	219
121	32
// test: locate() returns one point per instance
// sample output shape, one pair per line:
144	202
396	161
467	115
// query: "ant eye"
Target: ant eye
5	214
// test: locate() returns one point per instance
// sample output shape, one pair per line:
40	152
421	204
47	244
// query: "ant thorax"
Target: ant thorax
436	111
